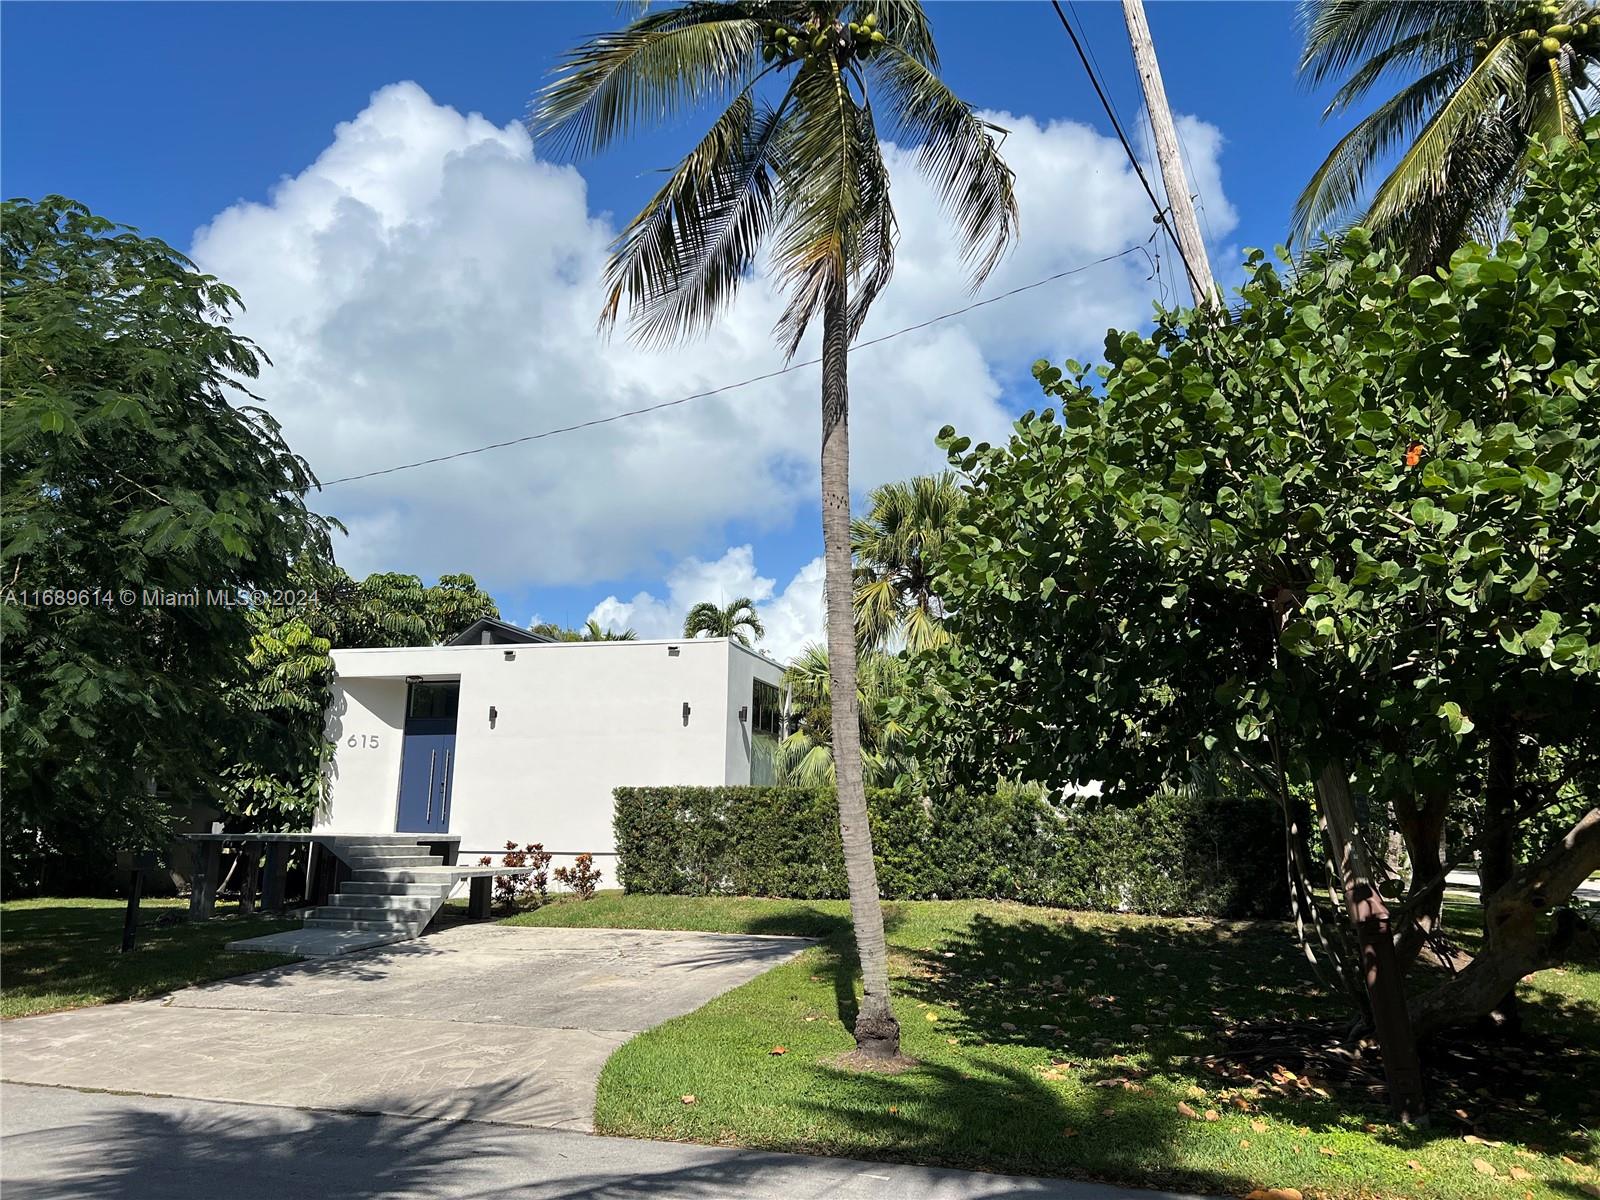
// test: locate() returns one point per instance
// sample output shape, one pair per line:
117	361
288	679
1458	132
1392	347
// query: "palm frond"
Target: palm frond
819	225
904	23
958	152
1423	170
1333	196
682	259
878	612
647	73
1341	33
1426	50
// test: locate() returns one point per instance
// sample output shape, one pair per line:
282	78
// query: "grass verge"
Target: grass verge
1073	1044
64	953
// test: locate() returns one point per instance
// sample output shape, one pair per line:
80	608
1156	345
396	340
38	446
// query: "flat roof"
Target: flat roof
497	647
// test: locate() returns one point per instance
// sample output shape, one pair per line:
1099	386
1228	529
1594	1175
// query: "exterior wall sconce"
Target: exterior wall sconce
511	656
672	652
685	712
744	713
494	714
413	679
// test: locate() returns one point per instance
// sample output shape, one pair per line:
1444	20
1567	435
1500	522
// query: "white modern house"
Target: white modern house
504	735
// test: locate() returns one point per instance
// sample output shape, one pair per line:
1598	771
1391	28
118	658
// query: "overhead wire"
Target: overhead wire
1133	159
728	387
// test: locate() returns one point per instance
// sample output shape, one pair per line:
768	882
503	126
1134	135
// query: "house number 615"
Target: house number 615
368	741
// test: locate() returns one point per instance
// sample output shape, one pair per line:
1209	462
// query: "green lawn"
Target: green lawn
1065	1043
58	954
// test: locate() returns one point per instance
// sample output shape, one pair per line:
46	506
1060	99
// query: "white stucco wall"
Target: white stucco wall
574	720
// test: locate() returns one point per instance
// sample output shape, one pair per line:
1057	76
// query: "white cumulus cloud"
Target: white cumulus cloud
791	617
428	284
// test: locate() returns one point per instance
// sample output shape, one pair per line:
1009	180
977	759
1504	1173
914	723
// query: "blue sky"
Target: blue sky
166	116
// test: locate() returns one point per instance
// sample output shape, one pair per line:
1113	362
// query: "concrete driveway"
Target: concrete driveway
484	1022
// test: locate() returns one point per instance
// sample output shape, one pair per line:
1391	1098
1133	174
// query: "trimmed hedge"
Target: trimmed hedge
1172	855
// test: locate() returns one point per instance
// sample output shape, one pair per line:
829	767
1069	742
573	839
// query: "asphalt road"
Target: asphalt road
57	1143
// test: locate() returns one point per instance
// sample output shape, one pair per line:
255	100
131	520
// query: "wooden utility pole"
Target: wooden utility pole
1190	245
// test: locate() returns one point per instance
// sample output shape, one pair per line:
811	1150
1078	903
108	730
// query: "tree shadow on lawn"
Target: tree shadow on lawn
1116	1001
838	934
73	952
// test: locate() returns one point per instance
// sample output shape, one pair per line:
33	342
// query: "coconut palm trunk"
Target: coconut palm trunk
794	163
877	1032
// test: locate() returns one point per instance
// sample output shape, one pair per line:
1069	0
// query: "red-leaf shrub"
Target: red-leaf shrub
581	877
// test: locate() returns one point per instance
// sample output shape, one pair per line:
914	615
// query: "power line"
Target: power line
1105	103
729	387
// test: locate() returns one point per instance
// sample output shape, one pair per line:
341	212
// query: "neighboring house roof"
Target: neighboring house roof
489	632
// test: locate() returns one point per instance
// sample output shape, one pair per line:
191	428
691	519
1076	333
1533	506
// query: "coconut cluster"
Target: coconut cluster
786	44
1548	33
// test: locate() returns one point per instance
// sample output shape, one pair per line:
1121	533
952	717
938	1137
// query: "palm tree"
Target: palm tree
896	548
593	631
794	162
737	619
1485	79
805	756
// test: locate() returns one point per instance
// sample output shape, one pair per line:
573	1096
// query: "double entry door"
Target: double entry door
428	757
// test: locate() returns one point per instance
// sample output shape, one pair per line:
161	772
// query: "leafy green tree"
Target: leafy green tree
793	162
1345	539
1483	81
805	755
394	609
274	772
140	487
737	619
896	548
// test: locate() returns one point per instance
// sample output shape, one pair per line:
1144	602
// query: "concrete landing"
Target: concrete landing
317	943
484	1022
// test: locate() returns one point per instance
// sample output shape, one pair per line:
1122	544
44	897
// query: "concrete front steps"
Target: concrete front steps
394	889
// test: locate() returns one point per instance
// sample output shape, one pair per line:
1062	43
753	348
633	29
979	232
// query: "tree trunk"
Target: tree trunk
877	1032
1497	862
1380	968
1421	819
1513	946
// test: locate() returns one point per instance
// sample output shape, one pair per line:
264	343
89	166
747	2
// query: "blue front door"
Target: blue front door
427	759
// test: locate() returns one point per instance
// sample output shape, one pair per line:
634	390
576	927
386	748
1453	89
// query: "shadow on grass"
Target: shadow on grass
134	1148
1118	1001
68	953
837	933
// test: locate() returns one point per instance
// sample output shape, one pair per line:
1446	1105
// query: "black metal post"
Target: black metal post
203	888
130	920
247	884
275	886
478	902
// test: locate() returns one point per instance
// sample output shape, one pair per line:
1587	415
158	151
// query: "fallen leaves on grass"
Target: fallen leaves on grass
1185	1110
689	1099
1483	1167
1521	1173
1275	1194
777	1050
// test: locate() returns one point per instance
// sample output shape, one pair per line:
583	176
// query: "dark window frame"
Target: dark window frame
766	709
